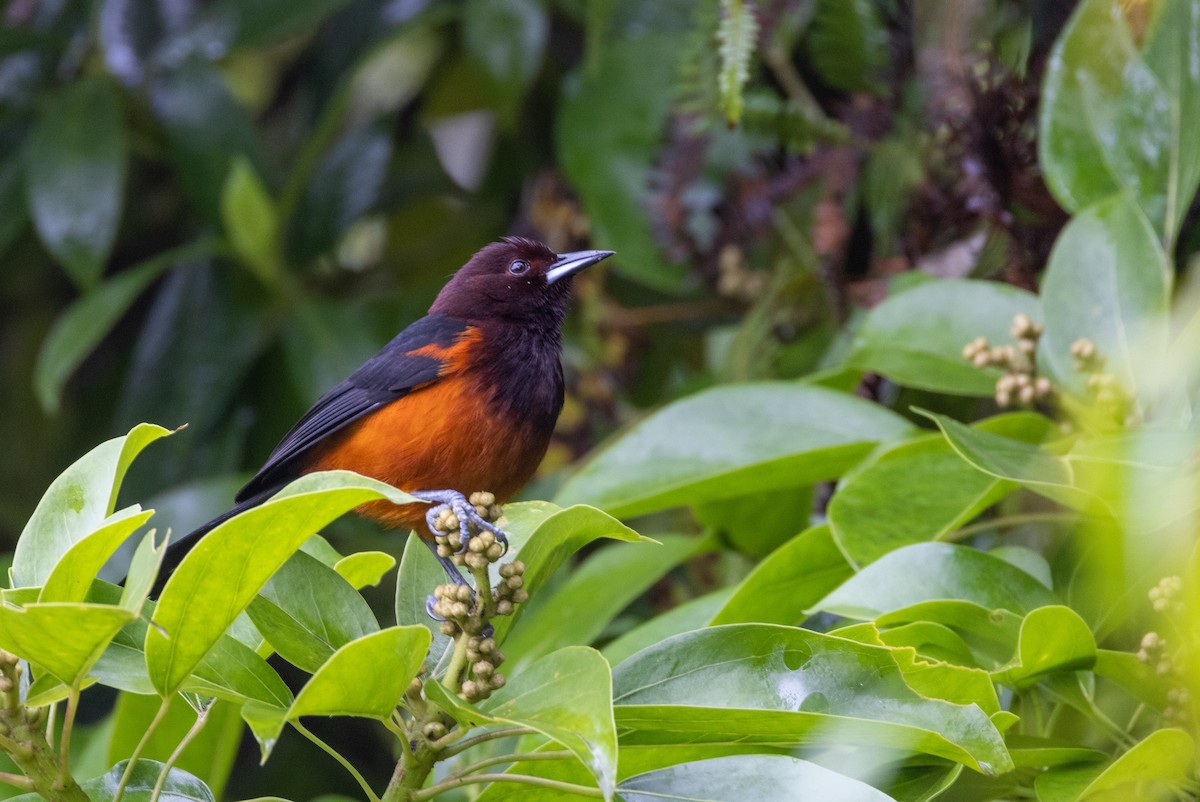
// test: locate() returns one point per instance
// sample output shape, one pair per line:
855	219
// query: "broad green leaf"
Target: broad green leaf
1138	679
690	615
1032	751
24	630
225	570
567	696
740	777
208	756
1052	639
848	44
75	176
920	490
72	576
927	572
251	220
730	441
419	574
916	338
307	611
1107	124
350	683
364	568
1151	770
1172	53
773	684
81	327
1015	460
1108	280
544	536
631	762
996	629
179	787
207	130
507	38
631	88
76	504
344	185
758	523
579	609
783	586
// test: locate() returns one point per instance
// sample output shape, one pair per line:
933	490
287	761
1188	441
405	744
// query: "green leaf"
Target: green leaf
1108	280
1030	750
932	572
544	536
740	777
419	574
143	571
566	696
179	787
207	129
507	38
684	618
730	441
268	21
251	221
364	568
631	87
579	609
75	175
1151	770
1139	680
1107	124
1173	54
916	337
307	611
73	574
76	504
350	683
23	631
758	523
81	327
344	185
738	35
224	571
783	586
920	490
1052	639
772	684
1015	460
848	44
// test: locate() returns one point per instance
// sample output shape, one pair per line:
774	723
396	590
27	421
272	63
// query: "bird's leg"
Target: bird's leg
447	563
464	510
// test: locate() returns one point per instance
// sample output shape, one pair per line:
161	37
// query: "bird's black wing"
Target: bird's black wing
391	374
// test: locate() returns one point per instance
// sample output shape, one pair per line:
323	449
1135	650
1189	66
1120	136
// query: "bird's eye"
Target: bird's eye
518	267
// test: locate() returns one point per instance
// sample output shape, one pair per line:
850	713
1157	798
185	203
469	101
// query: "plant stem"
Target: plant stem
338	757
483	593
137	752
201	720
64	743
523	779
16	780
453	678
471	768
467	743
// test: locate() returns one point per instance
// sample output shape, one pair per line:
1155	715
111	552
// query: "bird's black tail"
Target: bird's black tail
177	549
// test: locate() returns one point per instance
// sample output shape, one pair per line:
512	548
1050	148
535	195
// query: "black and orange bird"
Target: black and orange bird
464	399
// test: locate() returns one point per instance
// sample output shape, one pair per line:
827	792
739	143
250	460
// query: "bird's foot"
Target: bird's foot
452	510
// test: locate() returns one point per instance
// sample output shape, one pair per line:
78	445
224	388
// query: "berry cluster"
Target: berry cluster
484	658
483	548
1020	382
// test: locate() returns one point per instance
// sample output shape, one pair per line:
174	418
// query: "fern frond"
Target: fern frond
737	35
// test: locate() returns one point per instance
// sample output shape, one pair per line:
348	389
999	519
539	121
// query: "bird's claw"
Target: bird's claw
464	511
430	601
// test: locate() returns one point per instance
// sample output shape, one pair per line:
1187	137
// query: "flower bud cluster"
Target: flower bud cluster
1111	398
484	658
1020	382
1153	651
482	548
1164	596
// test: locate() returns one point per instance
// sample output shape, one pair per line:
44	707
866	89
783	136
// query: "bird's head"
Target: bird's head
516	279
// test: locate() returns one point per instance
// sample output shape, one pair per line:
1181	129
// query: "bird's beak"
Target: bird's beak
569	264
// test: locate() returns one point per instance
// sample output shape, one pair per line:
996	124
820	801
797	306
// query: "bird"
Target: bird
463	399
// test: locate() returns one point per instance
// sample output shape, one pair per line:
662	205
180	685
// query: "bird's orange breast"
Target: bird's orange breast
447	435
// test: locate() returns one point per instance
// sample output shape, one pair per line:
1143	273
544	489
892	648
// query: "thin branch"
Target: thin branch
338	757
17	781
1011	520
64	746
137	752
471	768
465	744
521	779
201	720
